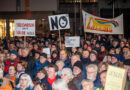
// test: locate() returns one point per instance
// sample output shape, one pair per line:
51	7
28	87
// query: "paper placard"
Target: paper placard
58	22
72	41
46	50
115	79
24	27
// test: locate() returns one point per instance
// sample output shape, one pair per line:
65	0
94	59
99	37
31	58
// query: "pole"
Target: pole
24	41
59	39
113	8
80	17
75	16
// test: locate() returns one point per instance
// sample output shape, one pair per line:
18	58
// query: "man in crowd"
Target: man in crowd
92	74
85	57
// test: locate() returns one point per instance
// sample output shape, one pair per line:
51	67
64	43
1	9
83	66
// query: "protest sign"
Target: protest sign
58	22
115	79
72	41
46	50
24	27
94	24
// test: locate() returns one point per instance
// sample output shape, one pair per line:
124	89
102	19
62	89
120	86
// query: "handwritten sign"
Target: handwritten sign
72	41
58	22
24	27
115	79
46	50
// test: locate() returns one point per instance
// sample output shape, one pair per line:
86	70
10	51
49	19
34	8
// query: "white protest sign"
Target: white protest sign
58	22
72	41
115	79
24	27
46	50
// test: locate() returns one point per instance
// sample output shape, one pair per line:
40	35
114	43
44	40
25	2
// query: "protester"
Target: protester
103	75
25	83
87	85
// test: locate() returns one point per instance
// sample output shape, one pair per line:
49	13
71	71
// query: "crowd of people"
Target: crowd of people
24	66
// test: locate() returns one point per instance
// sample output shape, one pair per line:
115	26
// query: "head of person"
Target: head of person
122	44
91	71
35	46
114	58
127	66
13	55
60	84
63	54
25	81
67	74
21	65
87	84
12	70
102	48
54	54
41	73
115	43
73	49
43	57
60	65
11	46
125	49
1	73
52	71
102	66
40	86
77	68
2	65
37	54
112	51
25	52
2	56
109	58
85	54
74	58
103	75
93	56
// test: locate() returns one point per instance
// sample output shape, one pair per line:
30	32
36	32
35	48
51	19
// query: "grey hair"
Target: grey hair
60	84
69	73
78	57
28	78
88	81
92	66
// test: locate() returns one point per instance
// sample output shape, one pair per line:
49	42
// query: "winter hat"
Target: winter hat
127	62
44	55
116	56
79	65
13	52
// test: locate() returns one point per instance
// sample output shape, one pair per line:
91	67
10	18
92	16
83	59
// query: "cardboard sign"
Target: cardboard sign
116	78
58	22
46	50
24	27
72	41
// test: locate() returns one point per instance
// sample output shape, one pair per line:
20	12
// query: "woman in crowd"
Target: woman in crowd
102	66
40	86
87	85
25	83
60	84
67	75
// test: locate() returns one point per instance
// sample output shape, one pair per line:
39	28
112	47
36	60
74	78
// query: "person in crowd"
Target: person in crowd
115	44
42	63
40	86
102	53
12	61
85	57
37	56
74	59
64	58
80	51
11	75
92	74
67	75
29	59
115	60
60	84
126	52
4	82
52	73
2	66
127	67
87	85
78	74
54	57
103	75
102	66
41	78
2	57
60	65
93	58
73	50
25	83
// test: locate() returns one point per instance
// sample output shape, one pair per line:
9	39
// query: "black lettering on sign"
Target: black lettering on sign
63	22
54	23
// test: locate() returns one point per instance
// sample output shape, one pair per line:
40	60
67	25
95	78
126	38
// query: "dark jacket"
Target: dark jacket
72	86
28	88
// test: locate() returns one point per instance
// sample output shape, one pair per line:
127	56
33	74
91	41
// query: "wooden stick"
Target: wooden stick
24	41
59	39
